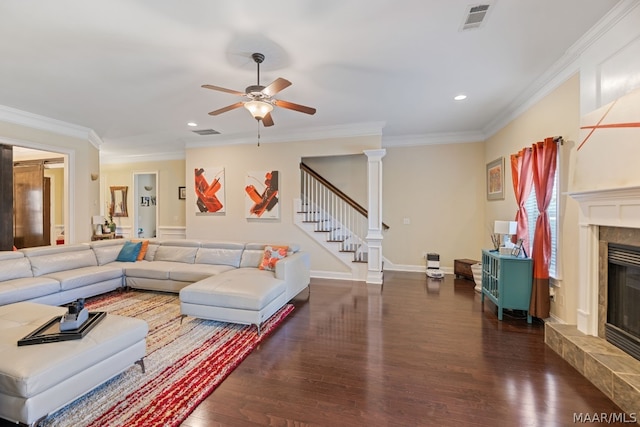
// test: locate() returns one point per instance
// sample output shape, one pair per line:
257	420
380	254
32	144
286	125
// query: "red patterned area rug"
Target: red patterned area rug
185	362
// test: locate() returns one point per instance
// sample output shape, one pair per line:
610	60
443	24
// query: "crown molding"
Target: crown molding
35	121
306	134
561	70
112	159
432	139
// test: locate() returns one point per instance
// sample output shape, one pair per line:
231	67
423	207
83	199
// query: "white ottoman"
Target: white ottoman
247	296
36	380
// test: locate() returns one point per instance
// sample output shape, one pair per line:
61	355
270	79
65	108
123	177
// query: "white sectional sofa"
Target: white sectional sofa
54	275
225	274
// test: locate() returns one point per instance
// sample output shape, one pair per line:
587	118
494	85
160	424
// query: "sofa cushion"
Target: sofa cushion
14	254
252	255
182	254
27	288
195	272
151	251
220	253
235	291
14	267
129	252
78	277
150	269
51	259
108	253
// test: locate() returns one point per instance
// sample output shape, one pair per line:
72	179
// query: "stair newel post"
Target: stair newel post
374	232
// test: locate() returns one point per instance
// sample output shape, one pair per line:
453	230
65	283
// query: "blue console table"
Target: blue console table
506	281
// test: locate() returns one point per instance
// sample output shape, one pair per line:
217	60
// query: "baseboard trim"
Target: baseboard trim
334	275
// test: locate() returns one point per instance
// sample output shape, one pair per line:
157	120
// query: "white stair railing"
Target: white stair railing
333	213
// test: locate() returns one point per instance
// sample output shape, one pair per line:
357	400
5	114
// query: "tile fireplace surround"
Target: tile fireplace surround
605	216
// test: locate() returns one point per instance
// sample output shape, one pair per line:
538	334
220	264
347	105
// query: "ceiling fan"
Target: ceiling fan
260	98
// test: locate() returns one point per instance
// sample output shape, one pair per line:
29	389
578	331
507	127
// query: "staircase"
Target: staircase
334	220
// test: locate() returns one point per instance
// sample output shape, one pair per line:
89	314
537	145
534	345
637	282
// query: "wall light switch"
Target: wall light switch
406	221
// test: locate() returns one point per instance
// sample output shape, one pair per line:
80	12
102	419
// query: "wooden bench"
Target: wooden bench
462	268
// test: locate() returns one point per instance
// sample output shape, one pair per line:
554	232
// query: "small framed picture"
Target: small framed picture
518	250
182	193
495	179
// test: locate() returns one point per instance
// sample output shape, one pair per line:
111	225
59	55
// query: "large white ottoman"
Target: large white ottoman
36	380
246	295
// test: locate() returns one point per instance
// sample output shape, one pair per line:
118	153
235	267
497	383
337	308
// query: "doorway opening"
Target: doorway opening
39	189
145	206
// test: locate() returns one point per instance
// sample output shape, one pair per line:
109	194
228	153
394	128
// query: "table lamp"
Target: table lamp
97	221
505	229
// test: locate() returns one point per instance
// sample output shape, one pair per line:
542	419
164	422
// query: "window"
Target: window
532	212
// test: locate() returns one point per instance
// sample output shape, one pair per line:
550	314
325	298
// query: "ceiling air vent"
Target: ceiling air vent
204	132
475	16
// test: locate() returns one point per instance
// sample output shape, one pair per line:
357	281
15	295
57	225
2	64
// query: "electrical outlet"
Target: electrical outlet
424	254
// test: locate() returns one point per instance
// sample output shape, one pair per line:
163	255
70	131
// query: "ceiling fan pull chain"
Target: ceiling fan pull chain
258	121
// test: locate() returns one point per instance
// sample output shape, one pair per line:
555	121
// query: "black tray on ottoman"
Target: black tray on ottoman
50	331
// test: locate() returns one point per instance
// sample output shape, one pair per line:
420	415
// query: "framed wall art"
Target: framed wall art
495	179
261	194
209	189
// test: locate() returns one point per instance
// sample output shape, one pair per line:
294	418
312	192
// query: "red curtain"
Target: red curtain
545	156
522	178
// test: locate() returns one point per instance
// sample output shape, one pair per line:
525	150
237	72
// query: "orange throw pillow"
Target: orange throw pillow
272	254
143	249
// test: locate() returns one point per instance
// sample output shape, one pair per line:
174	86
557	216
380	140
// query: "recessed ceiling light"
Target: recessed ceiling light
192	124
460	97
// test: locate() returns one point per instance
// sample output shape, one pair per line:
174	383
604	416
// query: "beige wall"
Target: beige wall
171	175
557	114
439	189
284	157
57	194
347	173
83	159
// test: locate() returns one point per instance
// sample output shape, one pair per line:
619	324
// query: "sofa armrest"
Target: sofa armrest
295	271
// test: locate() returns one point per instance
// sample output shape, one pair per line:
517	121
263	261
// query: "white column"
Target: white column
374	232
587	313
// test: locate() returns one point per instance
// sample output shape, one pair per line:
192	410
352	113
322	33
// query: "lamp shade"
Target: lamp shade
97	219
505	227
258	109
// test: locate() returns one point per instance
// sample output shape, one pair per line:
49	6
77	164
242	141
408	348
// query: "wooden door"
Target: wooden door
6	197
30	207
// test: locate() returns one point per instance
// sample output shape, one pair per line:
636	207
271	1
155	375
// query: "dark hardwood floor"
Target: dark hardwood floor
416	352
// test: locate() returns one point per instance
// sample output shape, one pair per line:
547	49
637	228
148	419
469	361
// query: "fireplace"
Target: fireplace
609	221
622	325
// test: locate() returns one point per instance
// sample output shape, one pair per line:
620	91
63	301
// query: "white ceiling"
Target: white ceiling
132	70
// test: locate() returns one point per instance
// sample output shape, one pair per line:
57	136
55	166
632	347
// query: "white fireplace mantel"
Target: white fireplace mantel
615	207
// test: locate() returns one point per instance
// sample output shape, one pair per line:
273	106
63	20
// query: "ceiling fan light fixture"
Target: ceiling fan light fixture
258	109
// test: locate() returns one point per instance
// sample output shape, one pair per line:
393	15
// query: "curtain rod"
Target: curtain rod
558	139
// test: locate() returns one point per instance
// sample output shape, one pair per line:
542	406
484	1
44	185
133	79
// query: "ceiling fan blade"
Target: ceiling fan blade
221	89
227	108
267	120
295	107
276	86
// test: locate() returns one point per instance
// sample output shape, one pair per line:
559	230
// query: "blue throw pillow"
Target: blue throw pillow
129	252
